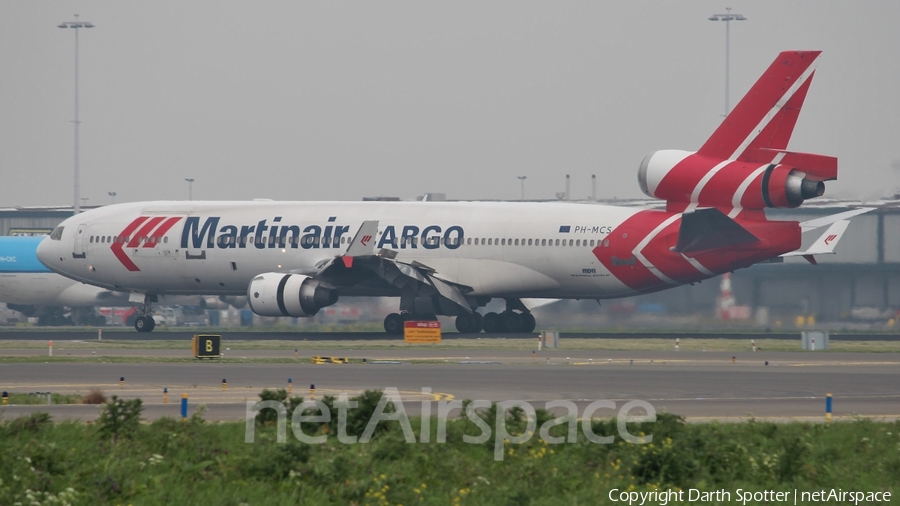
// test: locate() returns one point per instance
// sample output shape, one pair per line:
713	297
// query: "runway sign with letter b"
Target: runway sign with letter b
207	346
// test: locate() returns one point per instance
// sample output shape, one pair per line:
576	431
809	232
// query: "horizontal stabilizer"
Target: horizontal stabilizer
707	229
826	243
806	226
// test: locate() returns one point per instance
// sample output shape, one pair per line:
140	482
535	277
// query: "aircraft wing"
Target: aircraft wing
360	263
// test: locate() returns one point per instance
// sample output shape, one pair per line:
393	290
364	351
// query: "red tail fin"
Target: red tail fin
766	116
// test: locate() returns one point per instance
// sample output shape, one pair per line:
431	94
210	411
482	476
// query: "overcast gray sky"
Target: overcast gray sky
296	100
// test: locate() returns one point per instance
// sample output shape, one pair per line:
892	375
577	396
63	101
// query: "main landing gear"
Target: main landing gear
516	318
393	323
144	321
509	321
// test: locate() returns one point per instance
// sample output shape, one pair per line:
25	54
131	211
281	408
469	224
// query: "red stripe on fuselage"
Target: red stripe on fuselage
150	225
117	246
157	235
618	256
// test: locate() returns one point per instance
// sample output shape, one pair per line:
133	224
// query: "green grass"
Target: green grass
687	343
32	399
193	462
710	327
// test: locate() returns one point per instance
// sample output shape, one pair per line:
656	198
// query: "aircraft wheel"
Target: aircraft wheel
511	322
465	323
528	322
478	325
393	324
491	322
144	323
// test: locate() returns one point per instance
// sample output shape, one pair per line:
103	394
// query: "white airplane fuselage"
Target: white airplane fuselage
218	247
293	258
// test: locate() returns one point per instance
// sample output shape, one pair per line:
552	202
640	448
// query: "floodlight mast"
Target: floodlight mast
727	18
76	25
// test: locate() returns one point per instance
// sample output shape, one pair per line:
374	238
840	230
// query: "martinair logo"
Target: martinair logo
149	235
830	238
148	232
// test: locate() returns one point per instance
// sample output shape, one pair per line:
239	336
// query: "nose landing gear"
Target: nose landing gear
144	322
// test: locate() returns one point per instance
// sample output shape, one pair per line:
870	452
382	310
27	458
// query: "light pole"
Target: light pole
567	187
522	179
190	181
76	25
727	18
112	195
594	187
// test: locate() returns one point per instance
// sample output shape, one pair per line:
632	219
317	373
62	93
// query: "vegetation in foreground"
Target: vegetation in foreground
120	461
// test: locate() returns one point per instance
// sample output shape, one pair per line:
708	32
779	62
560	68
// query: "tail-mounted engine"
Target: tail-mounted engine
279	294
689	178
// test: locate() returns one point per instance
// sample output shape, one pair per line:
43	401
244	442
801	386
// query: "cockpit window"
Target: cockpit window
57	234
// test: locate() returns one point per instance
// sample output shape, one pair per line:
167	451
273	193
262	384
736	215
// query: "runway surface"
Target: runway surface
165	335
698	385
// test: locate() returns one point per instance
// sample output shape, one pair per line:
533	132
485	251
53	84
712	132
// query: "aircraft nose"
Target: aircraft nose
46	251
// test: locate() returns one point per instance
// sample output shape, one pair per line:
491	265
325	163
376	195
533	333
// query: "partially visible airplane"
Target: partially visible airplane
452	258
27	286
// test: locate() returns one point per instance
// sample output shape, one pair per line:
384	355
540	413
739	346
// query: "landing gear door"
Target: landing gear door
78	247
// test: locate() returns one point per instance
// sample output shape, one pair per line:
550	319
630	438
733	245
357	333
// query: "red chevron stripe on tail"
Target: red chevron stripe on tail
766	116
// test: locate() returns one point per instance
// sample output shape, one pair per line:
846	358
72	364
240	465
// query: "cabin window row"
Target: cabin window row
534	242
413	241
110	239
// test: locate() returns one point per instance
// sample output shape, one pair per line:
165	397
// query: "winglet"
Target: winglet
363	243
825	244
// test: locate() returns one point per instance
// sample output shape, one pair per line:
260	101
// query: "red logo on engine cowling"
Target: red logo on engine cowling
148	236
